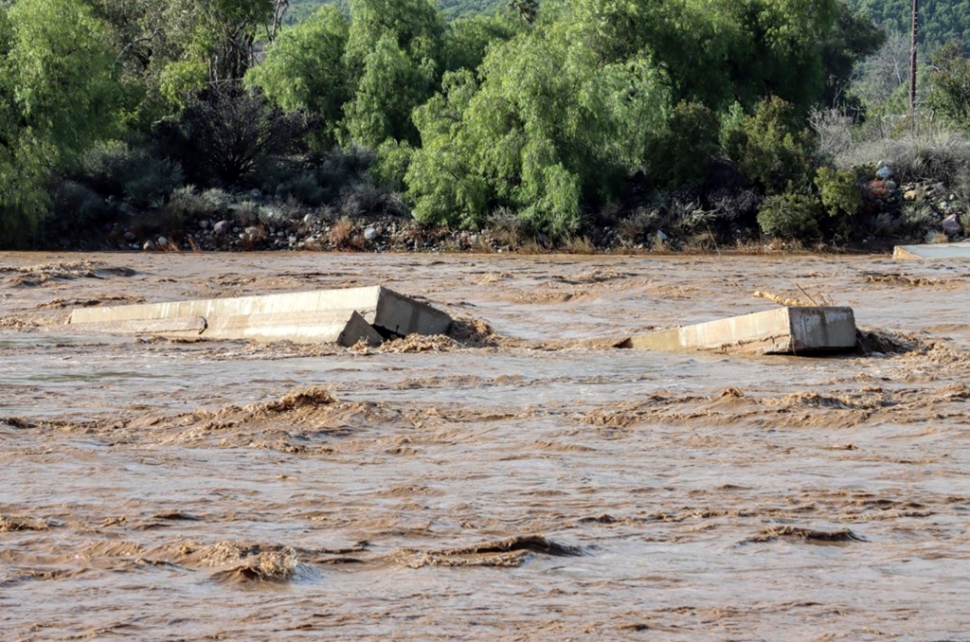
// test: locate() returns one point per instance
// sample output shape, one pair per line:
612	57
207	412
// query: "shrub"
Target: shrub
341	168
114	169
216	200
227	136
833	132
790	215
915	217
839	192
770	148
343	235
739	206
507	228
77	206
637	227
361	199
684	152
303	188
245	214
930	154
149	187
185	203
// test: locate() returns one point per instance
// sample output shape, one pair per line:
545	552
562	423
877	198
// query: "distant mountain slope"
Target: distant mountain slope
941	21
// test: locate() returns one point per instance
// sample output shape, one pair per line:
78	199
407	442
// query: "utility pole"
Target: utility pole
912	63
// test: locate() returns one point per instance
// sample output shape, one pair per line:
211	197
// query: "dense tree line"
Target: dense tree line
942	21
548	114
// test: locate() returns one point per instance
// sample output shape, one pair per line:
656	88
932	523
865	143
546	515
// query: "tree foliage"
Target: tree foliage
548	110
392	85
545	129
304	69
950	85
57	95
772	148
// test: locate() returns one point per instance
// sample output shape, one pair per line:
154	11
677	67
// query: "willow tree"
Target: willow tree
58	93
304	70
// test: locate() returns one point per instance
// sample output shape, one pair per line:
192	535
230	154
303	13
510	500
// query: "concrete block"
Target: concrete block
343	316
786	330
933	251
357	330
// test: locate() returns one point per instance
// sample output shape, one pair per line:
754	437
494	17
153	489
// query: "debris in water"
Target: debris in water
807	534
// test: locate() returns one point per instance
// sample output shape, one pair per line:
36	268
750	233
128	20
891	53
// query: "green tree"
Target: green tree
772	148
950	85
717	52
392	56
548	130
63	73
415	26
304	69
682	153
444	178
854	37
58	93
391	87
217	39
467	40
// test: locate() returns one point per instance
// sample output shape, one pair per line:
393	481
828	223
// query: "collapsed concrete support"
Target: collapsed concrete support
345	317
934	251
787	330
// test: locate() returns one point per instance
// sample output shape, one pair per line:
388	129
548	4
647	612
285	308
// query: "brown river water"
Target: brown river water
520	480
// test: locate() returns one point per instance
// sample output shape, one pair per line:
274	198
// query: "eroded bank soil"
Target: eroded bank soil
518	480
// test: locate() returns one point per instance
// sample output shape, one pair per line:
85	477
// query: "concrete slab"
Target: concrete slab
342	316
935	251
181	326
785	330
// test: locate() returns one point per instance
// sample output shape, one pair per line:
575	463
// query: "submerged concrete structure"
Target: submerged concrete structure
347	316
786	330
933	251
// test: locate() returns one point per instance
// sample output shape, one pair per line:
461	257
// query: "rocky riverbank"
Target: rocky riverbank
925	212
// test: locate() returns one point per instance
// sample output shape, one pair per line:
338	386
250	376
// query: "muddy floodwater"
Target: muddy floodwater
518	480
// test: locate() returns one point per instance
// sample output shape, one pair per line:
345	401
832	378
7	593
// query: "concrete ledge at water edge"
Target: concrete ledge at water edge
369	314
933	251
787	330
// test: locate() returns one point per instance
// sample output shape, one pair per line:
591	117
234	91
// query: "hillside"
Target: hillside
941	21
